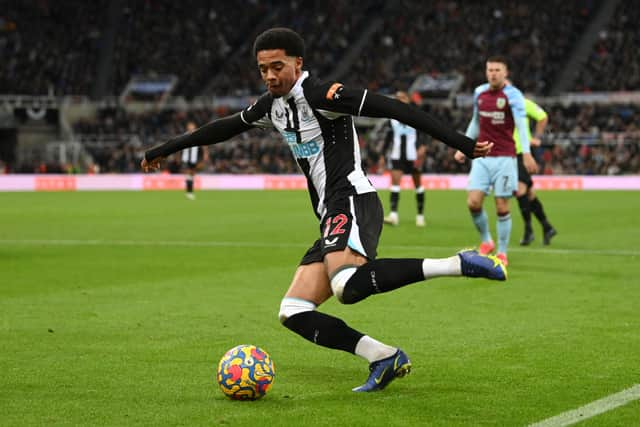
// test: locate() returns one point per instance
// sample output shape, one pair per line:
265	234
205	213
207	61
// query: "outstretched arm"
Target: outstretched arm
380	106
364	103
213	132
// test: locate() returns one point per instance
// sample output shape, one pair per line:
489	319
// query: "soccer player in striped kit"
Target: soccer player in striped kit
406	153
192	158
316	120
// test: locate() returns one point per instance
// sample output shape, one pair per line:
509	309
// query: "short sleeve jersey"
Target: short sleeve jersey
496	110
533	111
402	141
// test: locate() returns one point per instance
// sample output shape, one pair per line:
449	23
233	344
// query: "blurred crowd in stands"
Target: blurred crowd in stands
50	47
190	39
57	47
614	63
580	139
435	37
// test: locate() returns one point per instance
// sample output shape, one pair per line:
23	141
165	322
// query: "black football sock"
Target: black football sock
395	198
189	182
525	210
538	211
420	202
324	330
381	275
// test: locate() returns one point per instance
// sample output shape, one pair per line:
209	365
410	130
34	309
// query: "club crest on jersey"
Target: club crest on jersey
501	102
334	92
304	112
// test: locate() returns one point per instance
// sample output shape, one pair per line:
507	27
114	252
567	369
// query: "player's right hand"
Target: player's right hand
151	165
529	163
482	149
459	156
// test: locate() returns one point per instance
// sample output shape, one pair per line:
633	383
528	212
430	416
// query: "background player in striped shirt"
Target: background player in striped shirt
527	198
406	153
498	110
192	159
316	120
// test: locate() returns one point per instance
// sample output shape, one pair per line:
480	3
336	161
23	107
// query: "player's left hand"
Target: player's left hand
151	165
482	148
529	163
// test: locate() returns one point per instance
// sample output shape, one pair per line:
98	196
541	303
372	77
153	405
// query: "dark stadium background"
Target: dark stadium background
85	86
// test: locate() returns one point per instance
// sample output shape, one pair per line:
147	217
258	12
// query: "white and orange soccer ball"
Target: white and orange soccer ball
245	372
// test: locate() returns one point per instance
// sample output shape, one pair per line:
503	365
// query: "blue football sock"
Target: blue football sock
481	222
504	232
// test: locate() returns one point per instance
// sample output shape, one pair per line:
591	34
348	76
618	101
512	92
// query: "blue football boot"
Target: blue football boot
386	370
475	265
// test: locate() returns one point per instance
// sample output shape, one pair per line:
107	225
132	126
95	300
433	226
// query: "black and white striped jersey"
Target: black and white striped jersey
315	120
191	155
401	141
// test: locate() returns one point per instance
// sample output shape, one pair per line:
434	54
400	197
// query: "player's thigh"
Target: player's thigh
396	176
351	230
524	177
504	176
480	175
417	178
334	261
522	188
310	283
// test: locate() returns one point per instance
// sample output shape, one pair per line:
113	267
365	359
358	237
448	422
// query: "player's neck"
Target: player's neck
299	77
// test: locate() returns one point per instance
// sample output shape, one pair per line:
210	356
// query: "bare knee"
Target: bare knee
475	200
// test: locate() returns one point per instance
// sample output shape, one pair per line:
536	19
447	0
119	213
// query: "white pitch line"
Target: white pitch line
241	244
592	409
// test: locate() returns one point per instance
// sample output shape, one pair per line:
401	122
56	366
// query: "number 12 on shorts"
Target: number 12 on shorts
334	225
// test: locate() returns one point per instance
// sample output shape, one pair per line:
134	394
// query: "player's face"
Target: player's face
278	71
496	74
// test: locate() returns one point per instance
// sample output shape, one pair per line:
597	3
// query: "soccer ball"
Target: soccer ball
245	372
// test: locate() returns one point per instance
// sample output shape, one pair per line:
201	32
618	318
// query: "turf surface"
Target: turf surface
115	308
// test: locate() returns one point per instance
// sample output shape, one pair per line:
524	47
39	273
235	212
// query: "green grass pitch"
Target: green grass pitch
115	308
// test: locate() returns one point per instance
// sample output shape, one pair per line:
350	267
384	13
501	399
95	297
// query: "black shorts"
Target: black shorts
406	166
190	166
355	222
523	173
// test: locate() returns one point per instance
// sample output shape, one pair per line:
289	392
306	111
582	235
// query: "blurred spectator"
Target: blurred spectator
581	139
190	39
614	63
439	37
50	47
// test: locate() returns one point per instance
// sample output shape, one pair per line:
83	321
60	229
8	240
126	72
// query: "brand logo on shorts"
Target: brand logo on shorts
330	242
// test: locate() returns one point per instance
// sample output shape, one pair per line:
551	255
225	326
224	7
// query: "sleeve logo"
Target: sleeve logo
333	94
